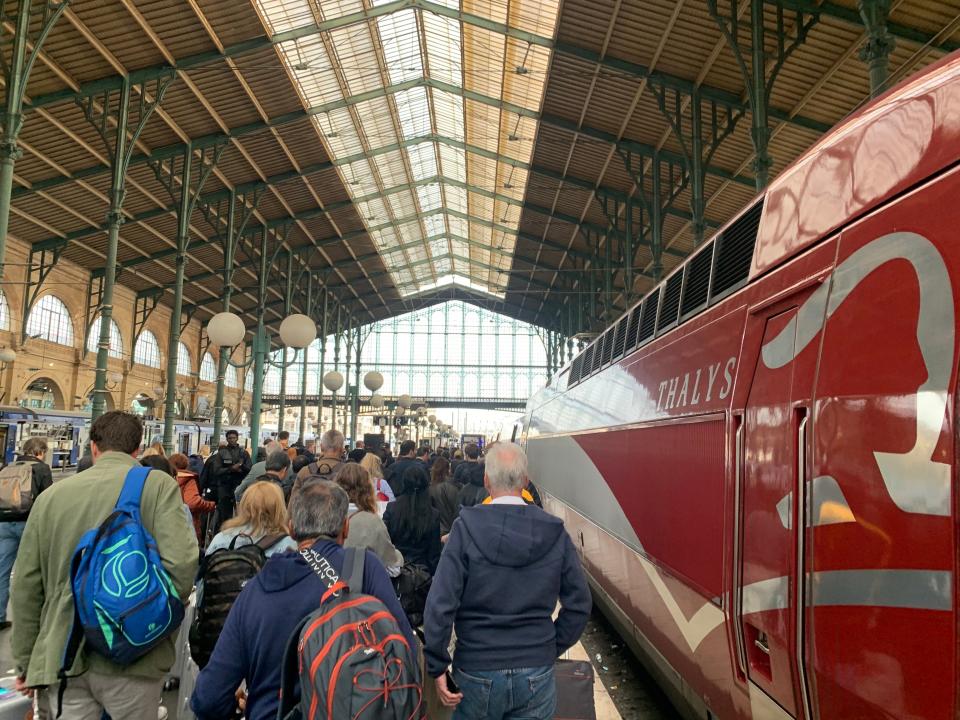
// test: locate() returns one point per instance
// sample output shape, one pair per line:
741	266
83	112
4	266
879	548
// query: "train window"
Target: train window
608	345
698	282
648	320
735	252
670	308
620	337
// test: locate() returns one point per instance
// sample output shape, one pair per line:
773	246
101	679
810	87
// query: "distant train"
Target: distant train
67	433
758	462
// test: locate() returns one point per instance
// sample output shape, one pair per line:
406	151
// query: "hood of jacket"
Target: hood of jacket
474	473
511	535
287	570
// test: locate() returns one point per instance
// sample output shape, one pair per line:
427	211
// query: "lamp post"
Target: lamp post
333	381
296	331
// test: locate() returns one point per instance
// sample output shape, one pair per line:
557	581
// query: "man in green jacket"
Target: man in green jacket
41	597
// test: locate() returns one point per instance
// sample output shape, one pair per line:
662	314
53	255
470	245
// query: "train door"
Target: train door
773	448
184	443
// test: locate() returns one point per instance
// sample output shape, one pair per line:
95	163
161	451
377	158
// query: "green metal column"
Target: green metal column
287	304
656	221
336	364
120	149
876	51
229	250
346	377
697	202
760	131
261	346
183	239
303	368
324	329
15	79
356	392
628	253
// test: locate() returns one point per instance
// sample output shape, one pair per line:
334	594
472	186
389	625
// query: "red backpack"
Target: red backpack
350	656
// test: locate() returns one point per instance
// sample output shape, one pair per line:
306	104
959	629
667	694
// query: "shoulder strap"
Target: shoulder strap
353	568
289	674
268	541
129	500
328	574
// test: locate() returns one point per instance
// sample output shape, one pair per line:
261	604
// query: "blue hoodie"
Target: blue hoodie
500	575
264	615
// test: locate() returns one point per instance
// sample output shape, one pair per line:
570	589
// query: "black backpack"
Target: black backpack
323	469
224	573
349	656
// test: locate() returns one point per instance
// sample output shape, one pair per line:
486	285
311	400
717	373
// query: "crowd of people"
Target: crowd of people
440	564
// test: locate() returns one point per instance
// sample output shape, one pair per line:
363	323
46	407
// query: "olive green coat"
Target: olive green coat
40	596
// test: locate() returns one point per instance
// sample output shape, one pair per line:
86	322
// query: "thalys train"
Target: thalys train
758	461
67	433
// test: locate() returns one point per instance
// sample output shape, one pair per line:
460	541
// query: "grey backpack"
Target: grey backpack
16	487
349	655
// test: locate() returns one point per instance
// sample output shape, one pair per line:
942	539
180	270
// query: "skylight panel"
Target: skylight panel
401	45
438	247
453	163
423	160
413	112
460	248
458	226
443	48
444	266
337	8
429	197
434	224
356	59
283	15
448	109
456	197
360	178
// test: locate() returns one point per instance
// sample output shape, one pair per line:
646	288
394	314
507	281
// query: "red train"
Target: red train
758	461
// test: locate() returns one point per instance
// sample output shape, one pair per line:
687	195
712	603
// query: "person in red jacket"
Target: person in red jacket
190	490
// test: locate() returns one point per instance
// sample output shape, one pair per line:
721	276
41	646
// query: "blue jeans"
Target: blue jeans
10	534
517	694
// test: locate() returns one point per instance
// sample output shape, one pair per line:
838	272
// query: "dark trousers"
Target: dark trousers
226	503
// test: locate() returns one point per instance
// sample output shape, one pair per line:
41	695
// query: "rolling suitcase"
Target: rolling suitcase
574	690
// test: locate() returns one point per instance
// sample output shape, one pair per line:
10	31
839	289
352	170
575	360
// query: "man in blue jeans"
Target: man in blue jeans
505	566
12	522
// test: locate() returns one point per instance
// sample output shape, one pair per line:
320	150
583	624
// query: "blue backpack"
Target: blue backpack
125	602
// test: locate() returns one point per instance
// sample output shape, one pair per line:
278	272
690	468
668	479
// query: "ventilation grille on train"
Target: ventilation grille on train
598	352
698	281
735	252
648	322
575	369
671	301
620	338
607	346
587	361
633	329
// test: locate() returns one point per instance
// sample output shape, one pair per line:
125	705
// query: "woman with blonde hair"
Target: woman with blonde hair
155	449
261	513
374	467
366	529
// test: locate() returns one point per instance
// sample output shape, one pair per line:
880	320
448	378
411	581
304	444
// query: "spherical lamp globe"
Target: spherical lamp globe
373	381
225	329
432	418
376	401
7	355
158	390
404	401
113	377
333	381
298	330
400	411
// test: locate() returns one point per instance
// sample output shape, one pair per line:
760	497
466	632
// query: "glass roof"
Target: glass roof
431	122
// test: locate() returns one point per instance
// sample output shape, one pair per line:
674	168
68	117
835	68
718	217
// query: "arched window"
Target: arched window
230	377
147	350
116	342
184	362
208	368
50	321
248	381
4	312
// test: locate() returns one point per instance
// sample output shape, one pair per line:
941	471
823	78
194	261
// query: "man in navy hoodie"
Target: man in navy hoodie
505	566
254	638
